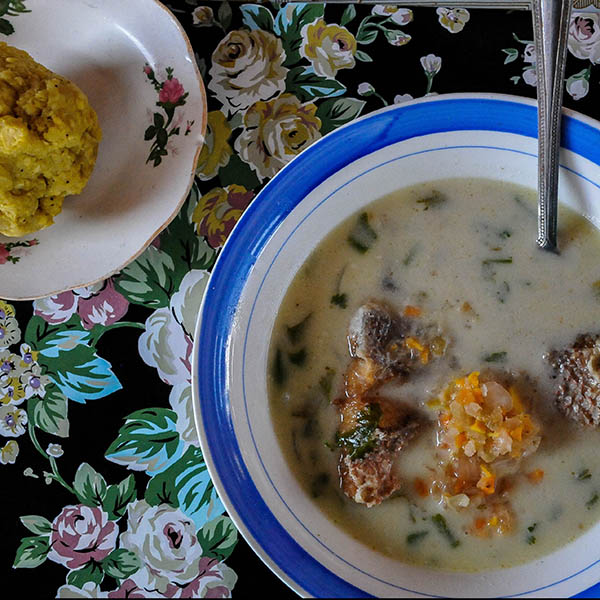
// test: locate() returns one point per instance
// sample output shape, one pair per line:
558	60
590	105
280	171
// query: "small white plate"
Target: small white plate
120	54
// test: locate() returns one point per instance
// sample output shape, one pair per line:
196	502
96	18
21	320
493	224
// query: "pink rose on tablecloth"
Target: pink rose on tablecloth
171	91
56	309
97	304
166	346
80	534
584	36
104	308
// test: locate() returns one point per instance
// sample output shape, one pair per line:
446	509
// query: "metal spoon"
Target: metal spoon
550	26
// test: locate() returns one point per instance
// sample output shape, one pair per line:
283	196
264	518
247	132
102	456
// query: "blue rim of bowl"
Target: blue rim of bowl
452	112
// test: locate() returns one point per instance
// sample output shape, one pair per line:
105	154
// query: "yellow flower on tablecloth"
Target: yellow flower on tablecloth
216	151
219	210
6	310
275	132
9	453
9	327
12	390
12	421
453	19
247	66
329	48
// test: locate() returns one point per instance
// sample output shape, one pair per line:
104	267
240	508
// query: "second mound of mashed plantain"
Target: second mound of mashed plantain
49	136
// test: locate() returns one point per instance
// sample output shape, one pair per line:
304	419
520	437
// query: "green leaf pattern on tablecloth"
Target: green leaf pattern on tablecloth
277	82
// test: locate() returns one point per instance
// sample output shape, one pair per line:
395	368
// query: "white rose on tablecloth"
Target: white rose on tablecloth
167	342
165	346
186	302
214	579
247	66
584	36
181	402
166	543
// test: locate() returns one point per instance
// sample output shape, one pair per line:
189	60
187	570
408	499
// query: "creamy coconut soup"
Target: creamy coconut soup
429	382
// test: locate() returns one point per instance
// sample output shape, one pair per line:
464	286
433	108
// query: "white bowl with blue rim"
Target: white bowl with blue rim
457	135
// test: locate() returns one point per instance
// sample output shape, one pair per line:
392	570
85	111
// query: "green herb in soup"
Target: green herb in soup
495	357
414	538
440	522
340	300
361	439
430	374
362	236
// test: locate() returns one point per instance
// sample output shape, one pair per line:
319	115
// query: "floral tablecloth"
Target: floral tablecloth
105	491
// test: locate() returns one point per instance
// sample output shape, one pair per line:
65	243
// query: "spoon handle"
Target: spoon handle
550	26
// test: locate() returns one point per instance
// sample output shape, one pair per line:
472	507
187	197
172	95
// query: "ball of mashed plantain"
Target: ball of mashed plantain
49	136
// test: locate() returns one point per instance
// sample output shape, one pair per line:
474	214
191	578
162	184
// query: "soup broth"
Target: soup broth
458	255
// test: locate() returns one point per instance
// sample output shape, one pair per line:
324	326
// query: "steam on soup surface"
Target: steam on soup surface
427	383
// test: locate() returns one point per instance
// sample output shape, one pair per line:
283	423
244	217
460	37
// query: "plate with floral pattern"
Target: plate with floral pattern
134	62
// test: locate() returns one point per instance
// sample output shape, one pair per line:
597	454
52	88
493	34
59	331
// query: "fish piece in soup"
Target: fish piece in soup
577	369
370	449
385	345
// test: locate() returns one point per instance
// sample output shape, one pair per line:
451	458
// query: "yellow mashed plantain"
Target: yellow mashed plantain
49	136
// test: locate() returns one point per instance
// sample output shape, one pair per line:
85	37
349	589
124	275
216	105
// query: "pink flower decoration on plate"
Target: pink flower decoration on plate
4	254
80	534
171	91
